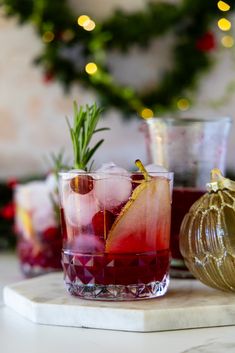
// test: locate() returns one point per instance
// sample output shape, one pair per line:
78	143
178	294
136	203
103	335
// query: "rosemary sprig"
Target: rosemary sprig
58	163
84	127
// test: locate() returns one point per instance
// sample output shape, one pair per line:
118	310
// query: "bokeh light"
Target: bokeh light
183	104
224	24
223	6
48	37
82	20
89	25
146	113
91	68
227	41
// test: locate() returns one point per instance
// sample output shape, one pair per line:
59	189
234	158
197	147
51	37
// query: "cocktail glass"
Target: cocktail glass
39	239
116	233
190	147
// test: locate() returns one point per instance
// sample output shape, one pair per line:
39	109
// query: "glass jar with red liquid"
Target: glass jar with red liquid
39	240
189	147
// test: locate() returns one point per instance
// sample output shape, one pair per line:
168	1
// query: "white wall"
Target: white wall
32	113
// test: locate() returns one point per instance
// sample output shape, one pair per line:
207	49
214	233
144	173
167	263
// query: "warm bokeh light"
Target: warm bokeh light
146	113
91	68
223	6
224	24
89	25
183	104
82	20
227	41
48	37
67	35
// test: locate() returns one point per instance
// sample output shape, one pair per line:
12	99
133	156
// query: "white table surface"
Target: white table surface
18	335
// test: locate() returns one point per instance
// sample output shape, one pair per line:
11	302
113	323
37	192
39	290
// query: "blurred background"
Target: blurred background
33	106
180	53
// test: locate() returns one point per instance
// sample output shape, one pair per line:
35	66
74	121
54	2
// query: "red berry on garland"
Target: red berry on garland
11	183
8	211
48	77
206	42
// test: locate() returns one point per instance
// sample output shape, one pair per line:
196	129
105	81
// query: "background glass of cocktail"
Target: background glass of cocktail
116	234
190	148
37	225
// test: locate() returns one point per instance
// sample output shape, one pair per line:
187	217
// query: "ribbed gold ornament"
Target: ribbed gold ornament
207	236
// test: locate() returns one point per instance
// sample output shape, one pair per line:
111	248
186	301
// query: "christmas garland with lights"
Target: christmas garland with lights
75	48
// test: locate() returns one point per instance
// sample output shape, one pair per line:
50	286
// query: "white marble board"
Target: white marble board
188	304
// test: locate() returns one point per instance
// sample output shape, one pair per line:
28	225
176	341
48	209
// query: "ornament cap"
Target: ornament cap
219	182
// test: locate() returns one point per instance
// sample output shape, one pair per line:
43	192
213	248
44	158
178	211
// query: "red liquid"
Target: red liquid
43	256
115	269
183	199
99	267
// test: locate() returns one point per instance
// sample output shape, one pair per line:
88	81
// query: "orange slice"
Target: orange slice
144	222
26	222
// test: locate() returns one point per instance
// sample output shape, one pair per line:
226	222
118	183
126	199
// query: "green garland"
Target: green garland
69	47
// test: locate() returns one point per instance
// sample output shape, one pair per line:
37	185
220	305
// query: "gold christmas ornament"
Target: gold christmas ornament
207	236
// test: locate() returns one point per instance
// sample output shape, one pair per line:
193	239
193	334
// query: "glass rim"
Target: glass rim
127	175
192	119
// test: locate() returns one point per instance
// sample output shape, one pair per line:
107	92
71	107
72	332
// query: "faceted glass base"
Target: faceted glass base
119	292
116	276
34	271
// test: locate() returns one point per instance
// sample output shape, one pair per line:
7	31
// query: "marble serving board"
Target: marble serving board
188	304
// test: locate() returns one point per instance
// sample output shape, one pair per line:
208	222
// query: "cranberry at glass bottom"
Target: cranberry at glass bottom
116	276
183	199
41	255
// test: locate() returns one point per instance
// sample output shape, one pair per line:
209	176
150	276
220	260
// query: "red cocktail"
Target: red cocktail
39	240
116	230
183	198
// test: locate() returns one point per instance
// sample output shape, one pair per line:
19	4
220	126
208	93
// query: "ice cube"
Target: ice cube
71	173
113	185
22	197
51	181
79	209
87	243
112	190
112	168
34	197
64	184
154	168
43	218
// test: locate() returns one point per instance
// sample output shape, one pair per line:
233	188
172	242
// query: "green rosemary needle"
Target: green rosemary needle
85	121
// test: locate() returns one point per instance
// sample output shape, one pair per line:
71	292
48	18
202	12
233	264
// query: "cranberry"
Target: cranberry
82	184
102	222
51	233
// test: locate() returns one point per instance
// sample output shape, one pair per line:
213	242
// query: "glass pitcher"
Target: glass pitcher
190	148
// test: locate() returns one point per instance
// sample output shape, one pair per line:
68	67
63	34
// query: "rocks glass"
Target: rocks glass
116	231
39	240
190	148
